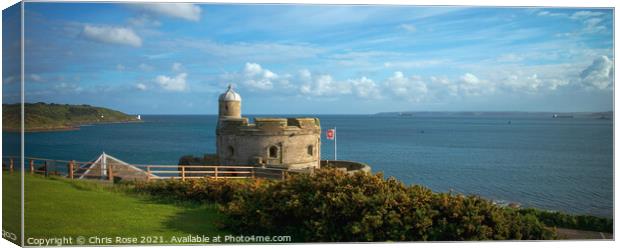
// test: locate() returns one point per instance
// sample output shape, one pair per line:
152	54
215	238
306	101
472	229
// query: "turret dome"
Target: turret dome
230	95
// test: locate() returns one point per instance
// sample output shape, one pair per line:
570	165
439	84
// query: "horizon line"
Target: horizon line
386	112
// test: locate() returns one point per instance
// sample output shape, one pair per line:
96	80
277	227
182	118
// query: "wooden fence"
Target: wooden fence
69	168
79	170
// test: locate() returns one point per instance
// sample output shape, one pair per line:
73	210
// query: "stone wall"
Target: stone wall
293	143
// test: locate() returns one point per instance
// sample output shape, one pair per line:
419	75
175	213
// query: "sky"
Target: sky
318	59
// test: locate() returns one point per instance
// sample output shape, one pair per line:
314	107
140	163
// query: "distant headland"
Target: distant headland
42	116
607	115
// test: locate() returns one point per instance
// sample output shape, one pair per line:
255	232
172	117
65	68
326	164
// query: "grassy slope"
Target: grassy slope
11	197
43	116
59	207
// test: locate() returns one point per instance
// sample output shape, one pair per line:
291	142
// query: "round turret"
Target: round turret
230	104
230	95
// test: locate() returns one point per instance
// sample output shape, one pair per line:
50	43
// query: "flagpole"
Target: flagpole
335	144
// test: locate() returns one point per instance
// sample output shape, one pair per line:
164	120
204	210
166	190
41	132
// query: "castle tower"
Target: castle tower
292	143
230	104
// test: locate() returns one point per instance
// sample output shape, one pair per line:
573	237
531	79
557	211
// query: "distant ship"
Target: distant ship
562	116
139	117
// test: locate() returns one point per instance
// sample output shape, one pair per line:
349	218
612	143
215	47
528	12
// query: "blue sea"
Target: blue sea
537	161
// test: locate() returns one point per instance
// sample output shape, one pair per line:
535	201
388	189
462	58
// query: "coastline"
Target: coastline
162	133
67	128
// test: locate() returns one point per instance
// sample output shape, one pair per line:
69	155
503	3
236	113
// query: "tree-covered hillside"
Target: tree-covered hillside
43	116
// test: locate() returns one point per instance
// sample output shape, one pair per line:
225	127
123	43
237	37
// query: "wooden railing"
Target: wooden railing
76	169
10	166
184	172
42	166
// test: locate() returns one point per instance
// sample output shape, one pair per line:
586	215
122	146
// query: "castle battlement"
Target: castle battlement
270	125
284	123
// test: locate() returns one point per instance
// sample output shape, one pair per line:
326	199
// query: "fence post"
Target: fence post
283	174
110	175
182	173
216	172
254	172
148	173
11	165
45	168
71	165
31	166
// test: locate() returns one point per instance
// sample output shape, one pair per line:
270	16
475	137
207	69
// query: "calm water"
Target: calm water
556	164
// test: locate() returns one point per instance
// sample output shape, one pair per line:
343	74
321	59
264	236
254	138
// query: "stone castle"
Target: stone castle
289	143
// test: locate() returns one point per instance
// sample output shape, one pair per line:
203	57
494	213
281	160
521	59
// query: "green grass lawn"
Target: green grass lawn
11	208
57	207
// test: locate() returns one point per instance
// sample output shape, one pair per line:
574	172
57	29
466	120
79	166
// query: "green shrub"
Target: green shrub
334	206
198	190
582	222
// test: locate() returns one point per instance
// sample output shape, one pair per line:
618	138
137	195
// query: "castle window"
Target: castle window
231	151
310	150
273	152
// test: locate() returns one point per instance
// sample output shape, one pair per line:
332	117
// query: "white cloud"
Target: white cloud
548	13
305	75
35	77
599	74
112	35
266	52
579	15
531	83
554	83
9	79
257	78
187	11
500	78
176	83
516	78
365	88
585	14
406	64
324	85
593	25
68	87
143	21
510	58
410	88
592	21
141	86
120	67
177	67
252	69
442	87
408	27
470	85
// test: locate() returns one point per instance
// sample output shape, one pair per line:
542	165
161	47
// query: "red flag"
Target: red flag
331	133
